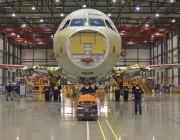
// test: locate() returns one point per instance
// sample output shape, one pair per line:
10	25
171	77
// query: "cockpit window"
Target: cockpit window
96	22
78	22
66	24
109	25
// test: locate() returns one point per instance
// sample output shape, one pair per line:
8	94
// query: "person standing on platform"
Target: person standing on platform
9	90
87	89
126	94
59	95
137	91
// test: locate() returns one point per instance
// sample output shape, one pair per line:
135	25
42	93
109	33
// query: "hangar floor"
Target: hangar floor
31	119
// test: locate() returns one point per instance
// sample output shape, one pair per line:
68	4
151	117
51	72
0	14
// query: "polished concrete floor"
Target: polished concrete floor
35	119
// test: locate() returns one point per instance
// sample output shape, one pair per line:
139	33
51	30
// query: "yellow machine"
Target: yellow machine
87	108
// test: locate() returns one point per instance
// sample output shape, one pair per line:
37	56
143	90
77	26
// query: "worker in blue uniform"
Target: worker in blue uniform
87	89
137	91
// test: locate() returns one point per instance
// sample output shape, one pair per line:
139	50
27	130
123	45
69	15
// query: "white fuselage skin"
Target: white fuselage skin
65	42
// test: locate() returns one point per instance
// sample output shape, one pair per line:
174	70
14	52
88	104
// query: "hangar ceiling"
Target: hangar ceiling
35	15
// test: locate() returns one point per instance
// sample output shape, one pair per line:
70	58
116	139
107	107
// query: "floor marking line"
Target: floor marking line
88	135
102	132
114	134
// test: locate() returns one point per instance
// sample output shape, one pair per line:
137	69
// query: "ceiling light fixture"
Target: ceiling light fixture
13	34
18	36
13	14
62	14
41	20
171	1
147	25
152	36
84	6
113	1
33	8
109	15
137	8
173	20
157	15
23	25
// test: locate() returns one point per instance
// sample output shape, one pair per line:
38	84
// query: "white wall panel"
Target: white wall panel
159	49
130	63
1	57
39	63
131	54
155	51
152	52
27	54
175	81
175	54
159	60
169	44
144	63
169	57
144	54
1	44
39	53
175	41
11	49
1	71
54	63
175	71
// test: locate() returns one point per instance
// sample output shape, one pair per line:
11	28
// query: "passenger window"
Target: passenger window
109	25
96	22
78	22
66	24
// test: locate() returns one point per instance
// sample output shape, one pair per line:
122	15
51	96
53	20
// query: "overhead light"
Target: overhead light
173	20
84	6
33	8
23	25
41	20
147	25
62	14
25	41
145	41
109	15
13	14
18	36
113	1
152	36
52	36
157	33
17	138
137	8
57	0
157	15
13	34
172	1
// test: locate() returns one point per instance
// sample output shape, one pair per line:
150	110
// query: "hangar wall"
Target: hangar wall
9	54
166	51
135	55
37	55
